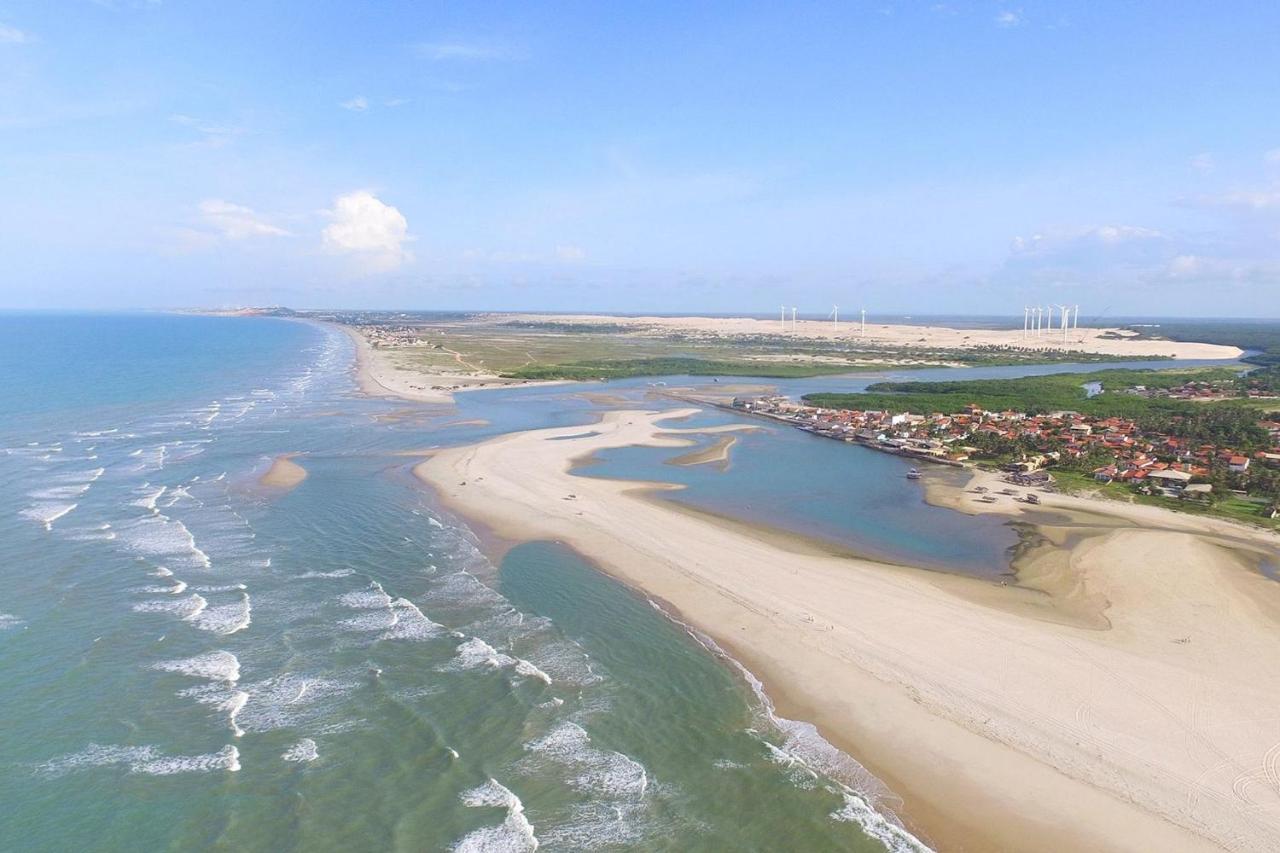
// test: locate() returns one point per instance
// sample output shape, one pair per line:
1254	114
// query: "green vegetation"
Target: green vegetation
1035	394
1250	510
679	367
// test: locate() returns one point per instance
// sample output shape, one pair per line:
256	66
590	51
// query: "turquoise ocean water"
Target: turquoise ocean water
190	661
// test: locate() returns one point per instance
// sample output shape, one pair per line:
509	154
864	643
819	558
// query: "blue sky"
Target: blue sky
920	157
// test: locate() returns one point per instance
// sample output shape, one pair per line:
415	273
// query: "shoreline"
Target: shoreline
832	640
376	378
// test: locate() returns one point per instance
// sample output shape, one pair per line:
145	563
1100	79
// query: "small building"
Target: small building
1238	464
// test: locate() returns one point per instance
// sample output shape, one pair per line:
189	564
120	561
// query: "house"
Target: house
1169	481
1238	464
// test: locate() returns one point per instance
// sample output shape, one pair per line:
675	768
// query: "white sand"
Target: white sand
1128	699
1102	341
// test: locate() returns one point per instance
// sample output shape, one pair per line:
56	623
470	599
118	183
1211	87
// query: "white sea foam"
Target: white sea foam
290	700
226	618
514	834
336	573
161	536
141	759
411	623
475	652
373	597
215	666
184	608
8	621
227	758
528	670
597	771
302	751
48	512
177	589
149	499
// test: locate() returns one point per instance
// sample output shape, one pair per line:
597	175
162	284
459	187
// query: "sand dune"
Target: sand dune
1123	698
1105	341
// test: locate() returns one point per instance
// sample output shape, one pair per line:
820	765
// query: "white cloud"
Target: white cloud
395	102
1249	200
571	254
364	225
237	222
215	135
462	51
357	104
1203	162
1056	241
1272	156
13	35
1009	18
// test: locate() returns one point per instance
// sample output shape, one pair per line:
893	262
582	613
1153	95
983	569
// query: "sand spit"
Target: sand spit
716	453
378	376
1126	701
284	473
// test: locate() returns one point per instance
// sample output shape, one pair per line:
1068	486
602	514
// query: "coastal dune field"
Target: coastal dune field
1104	341
1120	696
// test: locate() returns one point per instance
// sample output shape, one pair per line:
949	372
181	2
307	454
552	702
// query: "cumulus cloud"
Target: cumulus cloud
237	222
357	104
13	35
364	225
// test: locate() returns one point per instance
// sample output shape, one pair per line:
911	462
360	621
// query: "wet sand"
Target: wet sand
1120	696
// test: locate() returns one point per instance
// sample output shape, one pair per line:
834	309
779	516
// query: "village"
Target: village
1108	449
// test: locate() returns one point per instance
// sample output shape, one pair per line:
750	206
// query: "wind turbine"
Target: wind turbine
1026	316
1075	327
783	317
864	322
835	318
794	327
1066	311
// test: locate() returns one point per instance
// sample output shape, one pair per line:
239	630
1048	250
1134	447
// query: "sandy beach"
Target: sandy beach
378	375
284	473
1120	696
1102	341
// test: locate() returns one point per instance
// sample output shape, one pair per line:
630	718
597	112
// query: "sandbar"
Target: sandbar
284	473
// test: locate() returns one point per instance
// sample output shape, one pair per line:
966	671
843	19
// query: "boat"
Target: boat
913	474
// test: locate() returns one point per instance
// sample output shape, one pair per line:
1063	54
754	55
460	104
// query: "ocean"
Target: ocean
193	661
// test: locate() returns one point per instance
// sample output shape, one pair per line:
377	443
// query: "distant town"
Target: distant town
1107	449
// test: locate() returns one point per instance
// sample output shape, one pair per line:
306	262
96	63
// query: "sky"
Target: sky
952	157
